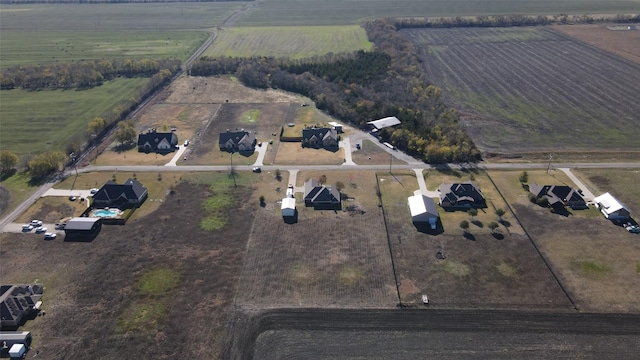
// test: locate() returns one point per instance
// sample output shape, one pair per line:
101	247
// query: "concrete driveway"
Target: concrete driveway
176	156
262	151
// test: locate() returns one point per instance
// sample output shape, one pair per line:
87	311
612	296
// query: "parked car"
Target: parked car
259	143
257	169
72	198
93	190
425	299
41	229
186	143
358	146
27	227
35	223
635	229
50	236
60	226
290	191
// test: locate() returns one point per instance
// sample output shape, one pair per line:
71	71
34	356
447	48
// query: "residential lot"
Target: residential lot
596	261
526	89
327	259
479	269
138	287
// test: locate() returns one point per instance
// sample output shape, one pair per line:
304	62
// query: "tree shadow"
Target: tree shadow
477	223
498	236
505	223
124	147
469	236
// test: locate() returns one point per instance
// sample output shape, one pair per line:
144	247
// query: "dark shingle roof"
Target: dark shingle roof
131	189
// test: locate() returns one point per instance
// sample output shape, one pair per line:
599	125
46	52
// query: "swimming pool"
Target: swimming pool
107	213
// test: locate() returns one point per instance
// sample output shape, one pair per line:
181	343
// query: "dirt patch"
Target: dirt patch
219	90
613	38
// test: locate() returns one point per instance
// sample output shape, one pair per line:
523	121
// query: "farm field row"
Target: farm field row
37	18
339	12
533	89
614	38
292	41
33	122
49	47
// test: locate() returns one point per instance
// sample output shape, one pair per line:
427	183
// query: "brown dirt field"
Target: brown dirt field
625	43
91	288
328	259
219	90
621	183
205	149
571	243
478	271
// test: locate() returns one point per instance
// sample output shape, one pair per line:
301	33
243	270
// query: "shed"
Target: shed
423	210
336	126
82	228
288	207
385	122
611	208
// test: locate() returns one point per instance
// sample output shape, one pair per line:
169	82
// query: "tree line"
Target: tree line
511	20
365	86
102	1
81	74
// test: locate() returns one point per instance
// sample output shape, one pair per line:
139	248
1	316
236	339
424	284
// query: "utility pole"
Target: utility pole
233	173
549	166
390	161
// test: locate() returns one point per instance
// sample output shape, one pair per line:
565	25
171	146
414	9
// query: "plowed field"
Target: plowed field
534	89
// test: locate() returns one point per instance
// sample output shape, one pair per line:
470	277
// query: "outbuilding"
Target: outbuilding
82	228
288	207
423	210
384	122
611	208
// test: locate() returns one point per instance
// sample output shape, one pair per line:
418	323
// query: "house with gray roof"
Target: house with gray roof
129	194
320	196
237	141
153	141
17	303
559	196
320	138
464	195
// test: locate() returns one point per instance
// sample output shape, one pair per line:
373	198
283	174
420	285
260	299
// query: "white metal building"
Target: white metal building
611	208
423	210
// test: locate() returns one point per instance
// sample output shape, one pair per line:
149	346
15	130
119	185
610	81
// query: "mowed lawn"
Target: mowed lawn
49	47
293	42
38	121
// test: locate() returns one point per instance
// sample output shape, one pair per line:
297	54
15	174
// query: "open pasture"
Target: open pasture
340	12
36	18
478	270
50	47
534	89
38	121
623	184
293	42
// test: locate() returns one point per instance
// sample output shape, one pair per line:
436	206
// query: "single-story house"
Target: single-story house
611	208
423	210
153	141
384	122
461	196
320	196
17	302
288	207
82	228
559	195
131	193
237	141
320	138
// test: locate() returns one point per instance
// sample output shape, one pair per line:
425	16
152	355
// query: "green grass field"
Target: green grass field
47	47
109	17
294	42
38	121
